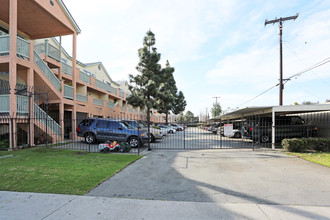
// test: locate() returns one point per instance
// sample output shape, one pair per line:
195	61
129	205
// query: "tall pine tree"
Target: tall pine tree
167	92
179	104
145	86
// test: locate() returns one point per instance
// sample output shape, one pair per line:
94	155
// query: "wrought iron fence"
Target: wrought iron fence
83	133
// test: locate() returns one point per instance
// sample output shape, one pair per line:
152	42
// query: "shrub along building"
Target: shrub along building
44	89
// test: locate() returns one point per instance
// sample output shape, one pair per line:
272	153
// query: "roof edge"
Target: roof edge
68	14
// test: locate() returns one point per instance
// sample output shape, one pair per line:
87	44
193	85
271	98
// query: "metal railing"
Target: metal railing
42	116
130	110
40	48
4	45
23	47
51	51
68	92
84	77
22	104
66	69
4	103
98	102
48	73
111	104
81	98
54	53
105	87
124	109
121	93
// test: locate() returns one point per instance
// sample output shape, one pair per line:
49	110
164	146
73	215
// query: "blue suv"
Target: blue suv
110	130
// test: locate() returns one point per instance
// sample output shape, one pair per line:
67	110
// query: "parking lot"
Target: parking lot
190	138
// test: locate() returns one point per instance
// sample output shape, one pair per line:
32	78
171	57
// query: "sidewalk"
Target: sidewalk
15	205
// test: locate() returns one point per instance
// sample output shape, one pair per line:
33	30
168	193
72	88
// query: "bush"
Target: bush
4	144
306	144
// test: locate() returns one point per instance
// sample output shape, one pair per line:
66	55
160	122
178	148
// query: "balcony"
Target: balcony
23	47
66	69
98	102
84	77
111	104
81	98
105	87
22	104
49	50
68	92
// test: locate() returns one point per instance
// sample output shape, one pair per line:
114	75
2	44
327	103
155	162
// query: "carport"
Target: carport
274	111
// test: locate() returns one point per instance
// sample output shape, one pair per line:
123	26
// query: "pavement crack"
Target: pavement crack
59	208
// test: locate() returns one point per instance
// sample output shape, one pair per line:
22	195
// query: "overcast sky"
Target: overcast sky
217	47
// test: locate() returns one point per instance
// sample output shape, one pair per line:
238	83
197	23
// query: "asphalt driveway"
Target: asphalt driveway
221	176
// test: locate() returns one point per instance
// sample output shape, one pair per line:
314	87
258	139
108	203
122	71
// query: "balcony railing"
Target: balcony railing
68	92
111	104
54	53
48	73
121	93
124	109
130	110
81	98
84	77
22	104
49	50
66	69
23	46
4	103
105	87
98	102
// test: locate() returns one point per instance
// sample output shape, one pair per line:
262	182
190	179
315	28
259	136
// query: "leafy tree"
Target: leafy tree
146	84
189	116
179	104
167	94
181	117
216	110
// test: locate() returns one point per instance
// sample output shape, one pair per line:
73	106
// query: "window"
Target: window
102	124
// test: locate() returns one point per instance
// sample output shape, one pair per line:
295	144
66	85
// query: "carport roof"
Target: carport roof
288	109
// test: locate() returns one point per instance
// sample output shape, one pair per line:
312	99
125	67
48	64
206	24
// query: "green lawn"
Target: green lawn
58	171
320	158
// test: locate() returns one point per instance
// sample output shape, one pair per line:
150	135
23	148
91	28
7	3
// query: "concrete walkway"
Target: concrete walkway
200	184
15	205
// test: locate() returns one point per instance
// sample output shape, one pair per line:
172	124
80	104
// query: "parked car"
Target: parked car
94	130
155	133
177	127
236	133
260	129
168	128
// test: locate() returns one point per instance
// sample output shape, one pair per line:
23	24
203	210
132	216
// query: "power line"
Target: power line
321	63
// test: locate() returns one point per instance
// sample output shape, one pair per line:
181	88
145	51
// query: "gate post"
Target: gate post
184	137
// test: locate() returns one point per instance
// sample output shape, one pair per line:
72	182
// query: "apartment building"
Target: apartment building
44	89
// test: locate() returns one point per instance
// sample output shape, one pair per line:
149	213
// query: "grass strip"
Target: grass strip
320	158
46	170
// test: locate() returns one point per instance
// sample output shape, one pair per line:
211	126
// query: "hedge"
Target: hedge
306	144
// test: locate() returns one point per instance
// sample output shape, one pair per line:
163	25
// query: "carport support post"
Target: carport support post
273	129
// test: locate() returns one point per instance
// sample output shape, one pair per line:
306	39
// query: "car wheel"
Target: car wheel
170	131
133	141
264	138
237	135
90	138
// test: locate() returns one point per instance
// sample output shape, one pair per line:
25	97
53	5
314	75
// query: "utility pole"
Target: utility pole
280	21
216	99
